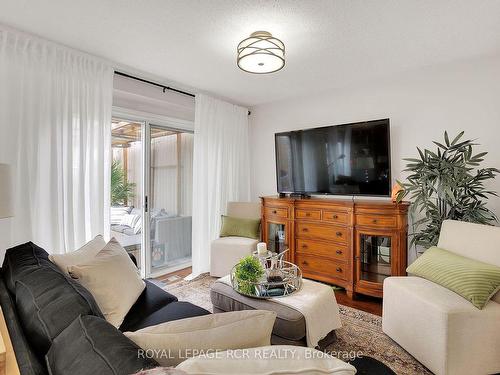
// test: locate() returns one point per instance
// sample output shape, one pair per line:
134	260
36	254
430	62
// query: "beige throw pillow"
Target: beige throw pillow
113	280
84	254
172	342
269	360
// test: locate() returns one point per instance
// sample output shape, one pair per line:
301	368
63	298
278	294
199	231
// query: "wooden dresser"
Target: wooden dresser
352	244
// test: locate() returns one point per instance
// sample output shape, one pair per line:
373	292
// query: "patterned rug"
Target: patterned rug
361	332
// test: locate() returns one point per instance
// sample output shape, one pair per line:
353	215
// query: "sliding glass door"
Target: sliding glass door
127	192
170	197
152	194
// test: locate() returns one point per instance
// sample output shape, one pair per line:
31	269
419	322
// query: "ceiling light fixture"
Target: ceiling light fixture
261	53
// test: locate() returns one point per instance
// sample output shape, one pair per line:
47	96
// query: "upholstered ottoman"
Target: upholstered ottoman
290	325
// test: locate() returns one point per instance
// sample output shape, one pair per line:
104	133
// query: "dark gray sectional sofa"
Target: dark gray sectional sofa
57	328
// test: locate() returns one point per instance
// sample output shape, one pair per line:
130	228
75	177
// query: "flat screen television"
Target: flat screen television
348	159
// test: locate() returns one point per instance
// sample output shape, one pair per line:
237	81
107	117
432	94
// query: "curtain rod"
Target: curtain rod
165	88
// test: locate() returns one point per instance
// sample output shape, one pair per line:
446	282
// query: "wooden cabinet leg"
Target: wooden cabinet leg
350	294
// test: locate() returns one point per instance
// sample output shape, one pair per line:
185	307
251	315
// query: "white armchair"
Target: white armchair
438	327
225	252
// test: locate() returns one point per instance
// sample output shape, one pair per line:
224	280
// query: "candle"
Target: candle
262	248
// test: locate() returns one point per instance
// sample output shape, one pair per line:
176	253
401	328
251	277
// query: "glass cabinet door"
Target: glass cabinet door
375	257
276	237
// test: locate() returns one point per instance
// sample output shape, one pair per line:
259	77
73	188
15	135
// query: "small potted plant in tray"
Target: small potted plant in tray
248	272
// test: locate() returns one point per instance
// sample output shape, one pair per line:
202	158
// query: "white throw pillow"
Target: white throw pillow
179	339
113	280
138	226
84	254
117	212
269	360
130	220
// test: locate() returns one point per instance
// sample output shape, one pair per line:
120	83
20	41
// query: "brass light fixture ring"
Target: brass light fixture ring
257	37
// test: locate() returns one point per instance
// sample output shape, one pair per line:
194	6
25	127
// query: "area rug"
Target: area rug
361	332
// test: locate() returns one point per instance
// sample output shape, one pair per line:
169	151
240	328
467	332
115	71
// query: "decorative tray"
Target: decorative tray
283	279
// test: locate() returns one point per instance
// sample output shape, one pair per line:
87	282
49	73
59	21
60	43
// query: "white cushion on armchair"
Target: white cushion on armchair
225	252
441	329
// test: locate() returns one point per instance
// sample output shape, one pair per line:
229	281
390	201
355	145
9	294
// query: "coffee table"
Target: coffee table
290	325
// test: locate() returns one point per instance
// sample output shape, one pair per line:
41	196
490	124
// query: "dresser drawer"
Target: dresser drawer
319	231
335	217
276	212
311	265
328	250
301	213
376	221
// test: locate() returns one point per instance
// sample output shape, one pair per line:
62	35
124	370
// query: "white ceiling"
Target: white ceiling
330	43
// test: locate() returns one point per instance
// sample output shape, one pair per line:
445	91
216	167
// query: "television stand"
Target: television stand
352	244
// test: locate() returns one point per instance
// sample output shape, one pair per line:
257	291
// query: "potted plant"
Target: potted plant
121	190
247	272
447	183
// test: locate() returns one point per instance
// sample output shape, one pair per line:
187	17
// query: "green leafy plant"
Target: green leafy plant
121	190
447	184
247	272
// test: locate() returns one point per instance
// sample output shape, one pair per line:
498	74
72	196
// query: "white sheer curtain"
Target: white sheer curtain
55	116
220	170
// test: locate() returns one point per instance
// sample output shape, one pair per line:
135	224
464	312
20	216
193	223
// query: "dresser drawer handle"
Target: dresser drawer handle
374	221
308	214
275	212
339	234
305	263
335	216
339	269
304	246
339	252
305	230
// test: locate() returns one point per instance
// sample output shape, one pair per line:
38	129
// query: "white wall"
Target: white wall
420	105
5	237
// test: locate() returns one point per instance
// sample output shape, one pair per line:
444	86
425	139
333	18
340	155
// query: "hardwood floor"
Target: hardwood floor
365	303
180	273
174	277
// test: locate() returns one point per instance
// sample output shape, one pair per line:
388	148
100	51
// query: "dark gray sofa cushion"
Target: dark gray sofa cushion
47	302
27	360
151	300
91	346
172	311
22	260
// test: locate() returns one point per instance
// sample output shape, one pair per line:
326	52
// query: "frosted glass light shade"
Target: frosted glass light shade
261	53
5	192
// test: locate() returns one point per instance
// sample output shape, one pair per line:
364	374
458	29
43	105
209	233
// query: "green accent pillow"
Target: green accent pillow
236	226
476	281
